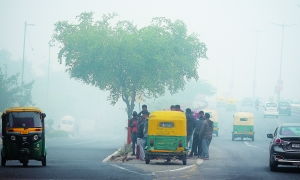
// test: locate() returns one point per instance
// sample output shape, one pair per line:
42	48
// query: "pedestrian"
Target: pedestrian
190	120
207	129
140	139
133	124
177	108
144	110
197	136
172	108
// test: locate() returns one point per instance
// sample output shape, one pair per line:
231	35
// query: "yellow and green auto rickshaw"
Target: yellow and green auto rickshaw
214	117
23	134
166	136
243	125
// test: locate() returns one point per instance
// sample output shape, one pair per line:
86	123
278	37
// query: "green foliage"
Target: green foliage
12	93
128	61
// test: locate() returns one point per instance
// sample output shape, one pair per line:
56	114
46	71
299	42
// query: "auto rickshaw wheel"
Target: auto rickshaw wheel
252	138
3	160
44	161
147	160
25	163
233	137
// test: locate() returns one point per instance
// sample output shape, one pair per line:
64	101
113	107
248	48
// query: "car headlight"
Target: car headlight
35	137
13	138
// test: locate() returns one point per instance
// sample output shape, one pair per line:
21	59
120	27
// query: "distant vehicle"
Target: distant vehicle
67	123
243	125
247	102
271	110
285	146
284	108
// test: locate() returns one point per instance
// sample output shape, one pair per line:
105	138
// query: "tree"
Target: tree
126	60
13	94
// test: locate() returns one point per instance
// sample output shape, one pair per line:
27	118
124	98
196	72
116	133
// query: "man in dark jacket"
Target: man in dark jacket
190	120
197	136
207	130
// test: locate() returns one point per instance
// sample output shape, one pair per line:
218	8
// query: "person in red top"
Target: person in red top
133	124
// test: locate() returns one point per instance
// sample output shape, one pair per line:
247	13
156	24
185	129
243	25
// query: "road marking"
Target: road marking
113	154
250	145
135	172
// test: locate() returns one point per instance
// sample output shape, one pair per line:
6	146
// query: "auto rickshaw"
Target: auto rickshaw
214	117
166	136
23	134
243	125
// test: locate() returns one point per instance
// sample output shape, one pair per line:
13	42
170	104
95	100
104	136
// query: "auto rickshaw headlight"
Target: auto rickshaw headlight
180	144
35	137
151	142
13	138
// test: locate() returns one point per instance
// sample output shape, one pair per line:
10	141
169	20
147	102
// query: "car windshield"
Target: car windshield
290	131
271	105
24	120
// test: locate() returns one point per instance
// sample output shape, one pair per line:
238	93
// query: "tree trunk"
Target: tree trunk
129	101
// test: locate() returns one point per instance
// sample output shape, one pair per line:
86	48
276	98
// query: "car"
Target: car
284	108
285	146
271	110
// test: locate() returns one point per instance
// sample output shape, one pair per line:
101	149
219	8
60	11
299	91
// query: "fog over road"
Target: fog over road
81	158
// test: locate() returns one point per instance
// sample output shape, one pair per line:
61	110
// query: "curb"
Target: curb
109	156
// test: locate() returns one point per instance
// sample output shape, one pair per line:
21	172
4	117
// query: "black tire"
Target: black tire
233	137
3	161
272	164
25	163
184	160
44	161
147	160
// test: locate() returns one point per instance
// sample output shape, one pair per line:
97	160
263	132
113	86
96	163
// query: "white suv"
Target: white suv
271	109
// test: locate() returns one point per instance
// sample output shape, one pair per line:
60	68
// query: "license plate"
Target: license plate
295	145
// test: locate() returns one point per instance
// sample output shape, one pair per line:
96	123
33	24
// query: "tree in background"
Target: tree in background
11	91
127	61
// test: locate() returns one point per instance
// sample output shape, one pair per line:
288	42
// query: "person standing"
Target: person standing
133	124
190	120
197	136
144	110
207	129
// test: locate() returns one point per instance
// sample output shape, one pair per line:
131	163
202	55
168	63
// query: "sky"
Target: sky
231	29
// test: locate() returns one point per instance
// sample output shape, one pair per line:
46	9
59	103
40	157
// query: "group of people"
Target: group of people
138	129
199	133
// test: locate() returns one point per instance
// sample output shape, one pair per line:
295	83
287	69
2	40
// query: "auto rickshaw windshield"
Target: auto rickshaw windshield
24	120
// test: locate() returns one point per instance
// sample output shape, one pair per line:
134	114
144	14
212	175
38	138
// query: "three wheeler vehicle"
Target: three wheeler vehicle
243	125
166	136
23	135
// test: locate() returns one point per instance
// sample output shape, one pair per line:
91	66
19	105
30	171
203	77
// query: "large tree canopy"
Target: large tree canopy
126	60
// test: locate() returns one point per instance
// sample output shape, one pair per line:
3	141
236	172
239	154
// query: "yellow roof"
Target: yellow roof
23	109
243	114
167	115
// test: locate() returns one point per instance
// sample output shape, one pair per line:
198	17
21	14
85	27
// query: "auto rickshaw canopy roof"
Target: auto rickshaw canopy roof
243	118
23	109
167	123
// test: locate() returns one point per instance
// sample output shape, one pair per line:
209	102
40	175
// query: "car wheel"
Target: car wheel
273	165
44	161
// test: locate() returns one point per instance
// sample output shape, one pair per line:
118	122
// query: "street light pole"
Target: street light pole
24	45
279	85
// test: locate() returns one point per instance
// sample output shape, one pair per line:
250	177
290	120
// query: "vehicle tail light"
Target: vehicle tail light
151	142
278	141
180	144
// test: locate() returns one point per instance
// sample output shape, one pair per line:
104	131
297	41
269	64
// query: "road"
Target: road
82	159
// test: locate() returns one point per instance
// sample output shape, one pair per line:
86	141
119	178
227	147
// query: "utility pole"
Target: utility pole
255	65
24	44
279	86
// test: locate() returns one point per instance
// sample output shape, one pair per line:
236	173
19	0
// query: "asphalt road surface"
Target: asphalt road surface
82	158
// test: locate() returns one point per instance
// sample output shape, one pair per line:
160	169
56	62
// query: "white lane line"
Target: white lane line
250	145
113	154
135	172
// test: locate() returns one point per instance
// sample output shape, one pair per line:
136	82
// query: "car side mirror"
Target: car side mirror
270	136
